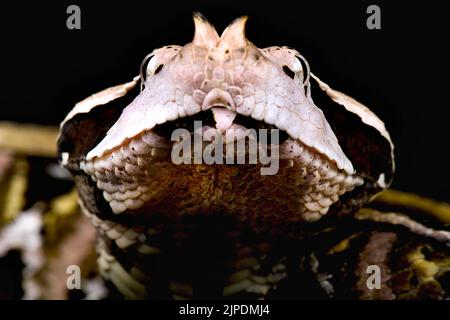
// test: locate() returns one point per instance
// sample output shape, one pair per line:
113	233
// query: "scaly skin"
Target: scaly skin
172	230
235	81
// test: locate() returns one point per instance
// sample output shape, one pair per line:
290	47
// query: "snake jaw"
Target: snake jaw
141	177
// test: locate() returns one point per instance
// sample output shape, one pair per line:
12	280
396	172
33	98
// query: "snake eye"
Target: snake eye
149	67
288	72
305	68
143	68
153	63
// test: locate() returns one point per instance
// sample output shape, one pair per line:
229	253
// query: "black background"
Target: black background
400	72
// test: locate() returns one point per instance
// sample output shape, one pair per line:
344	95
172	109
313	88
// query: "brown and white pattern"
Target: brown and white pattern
334	155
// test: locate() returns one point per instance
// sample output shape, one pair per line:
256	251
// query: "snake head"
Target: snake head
335	153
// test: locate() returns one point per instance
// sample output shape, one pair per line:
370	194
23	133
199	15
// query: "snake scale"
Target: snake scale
181	231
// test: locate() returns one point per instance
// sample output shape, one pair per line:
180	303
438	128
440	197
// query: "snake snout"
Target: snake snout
217	97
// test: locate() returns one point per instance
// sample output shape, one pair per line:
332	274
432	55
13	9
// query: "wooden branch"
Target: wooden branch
436	209
28	139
